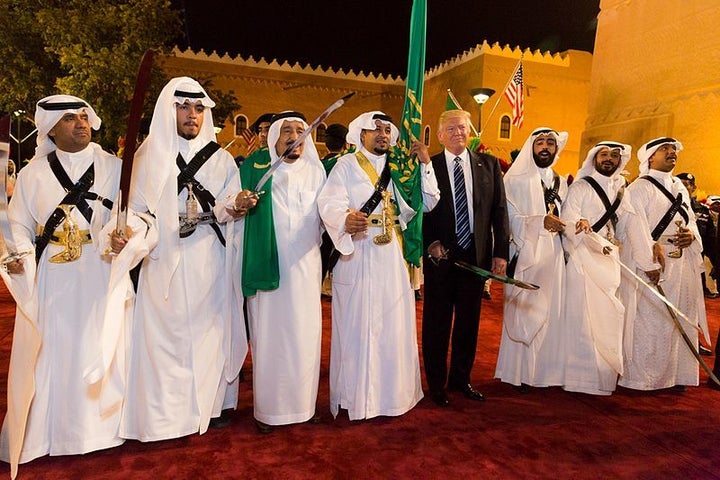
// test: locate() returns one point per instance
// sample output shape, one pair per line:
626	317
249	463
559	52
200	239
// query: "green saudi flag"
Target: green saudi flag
403	169
450	102
411	125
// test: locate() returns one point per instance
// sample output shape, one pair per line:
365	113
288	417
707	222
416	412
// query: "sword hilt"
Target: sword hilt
14	256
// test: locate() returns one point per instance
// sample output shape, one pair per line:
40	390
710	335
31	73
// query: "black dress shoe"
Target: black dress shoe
316	419
522	388
440	398
470	392
678	388
263	428
704	351
711	295
222	421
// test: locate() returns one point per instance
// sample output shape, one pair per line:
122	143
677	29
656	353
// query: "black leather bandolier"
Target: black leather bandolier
550	194
187	175
610	209
77	194
553	193
369	206
676	206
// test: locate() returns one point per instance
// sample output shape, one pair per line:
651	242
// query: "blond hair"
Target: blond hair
448	114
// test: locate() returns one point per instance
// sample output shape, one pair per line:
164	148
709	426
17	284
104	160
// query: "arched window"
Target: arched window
320	133
241	123
426	135
505	127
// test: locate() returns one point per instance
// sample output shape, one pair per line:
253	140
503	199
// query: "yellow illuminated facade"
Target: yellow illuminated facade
556	95
654	73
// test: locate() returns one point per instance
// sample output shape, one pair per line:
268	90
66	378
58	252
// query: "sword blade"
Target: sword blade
598	239
133	128
484	273
690	344
10	253
4	160
321	118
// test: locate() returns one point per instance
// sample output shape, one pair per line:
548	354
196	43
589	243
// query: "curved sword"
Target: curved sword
598	239
690	344
133	128
10	255
263	180
484	273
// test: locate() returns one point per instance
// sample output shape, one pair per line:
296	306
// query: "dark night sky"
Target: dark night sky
372	36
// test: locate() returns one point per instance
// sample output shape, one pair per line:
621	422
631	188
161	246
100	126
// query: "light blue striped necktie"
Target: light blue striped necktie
462	216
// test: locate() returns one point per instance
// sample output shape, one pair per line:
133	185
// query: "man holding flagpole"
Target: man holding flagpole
372	208
374	365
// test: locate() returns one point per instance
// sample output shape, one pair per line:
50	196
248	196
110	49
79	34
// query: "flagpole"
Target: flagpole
452	97
411	122
482	127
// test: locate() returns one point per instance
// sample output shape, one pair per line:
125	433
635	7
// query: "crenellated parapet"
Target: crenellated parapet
506	51
285	67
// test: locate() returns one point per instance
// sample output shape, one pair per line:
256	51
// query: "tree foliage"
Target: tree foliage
88	48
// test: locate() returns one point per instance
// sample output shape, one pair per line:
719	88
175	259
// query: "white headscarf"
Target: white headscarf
588	166
524	164
647	150
309	150
526	195
48	113
157	154
154	168
366	121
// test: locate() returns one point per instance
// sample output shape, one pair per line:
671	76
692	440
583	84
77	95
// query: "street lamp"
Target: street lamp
481	95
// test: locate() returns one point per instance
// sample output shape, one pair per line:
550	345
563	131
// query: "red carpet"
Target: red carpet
546	434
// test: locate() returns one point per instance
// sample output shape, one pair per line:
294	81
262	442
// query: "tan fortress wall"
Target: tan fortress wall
270	87
557	89
656	72
556	92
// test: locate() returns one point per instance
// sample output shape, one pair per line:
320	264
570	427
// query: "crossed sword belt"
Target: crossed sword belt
674	312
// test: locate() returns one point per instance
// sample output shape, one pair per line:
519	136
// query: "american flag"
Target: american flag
514	95
251	139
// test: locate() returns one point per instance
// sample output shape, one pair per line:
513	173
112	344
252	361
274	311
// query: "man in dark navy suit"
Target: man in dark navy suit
469	223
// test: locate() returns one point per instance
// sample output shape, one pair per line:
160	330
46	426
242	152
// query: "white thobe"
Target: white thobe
374	365
187	314
594	313
532	340
57	339
286	323
659	357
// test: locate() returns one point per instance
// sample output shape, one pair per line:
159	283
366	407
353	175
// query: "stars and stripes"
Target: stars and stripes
251	139
514	95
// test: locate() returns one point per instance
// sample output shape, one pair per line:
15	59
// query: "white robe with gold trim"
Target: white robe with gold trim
374	363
